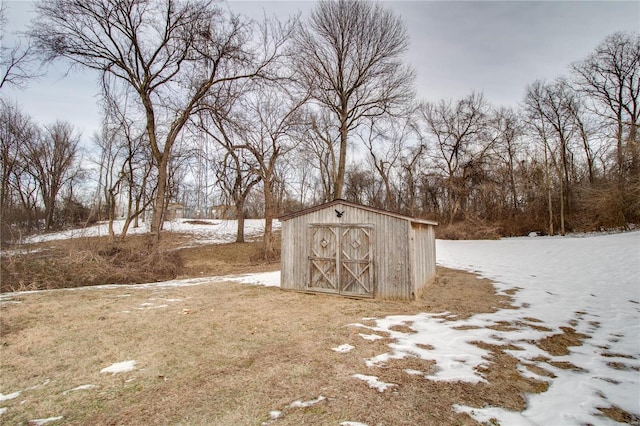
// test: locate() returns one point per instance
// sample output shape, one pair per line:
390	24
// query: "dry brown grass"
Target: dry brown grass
228	354
558	344
224	259
620	415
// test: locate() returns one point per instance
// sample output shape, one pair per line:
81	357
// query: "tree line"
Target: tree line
204	107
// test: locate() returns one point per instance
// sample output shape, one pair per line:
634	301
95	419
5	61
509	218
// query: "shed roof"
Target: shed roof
359	206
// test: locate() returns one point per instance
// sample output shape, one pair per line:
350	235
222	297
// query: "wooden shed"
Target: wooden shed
353	250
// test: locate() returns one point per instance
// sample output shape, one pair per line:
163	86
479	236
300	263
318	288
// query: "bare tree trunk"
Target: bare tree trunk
240	215
111	206
160	201
562	231
548	184
512	185
269	213
342	158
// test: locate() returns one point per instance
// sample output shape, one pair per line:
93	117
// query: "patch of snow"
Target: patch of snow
267	279
79	388
412	372
374	383
120	367
146	306
305	404
16	252
3	410
353	424
486	415
9	396
45	383
371	337
589	283
343	348
187	282
457	359
40	422
206	231
273	416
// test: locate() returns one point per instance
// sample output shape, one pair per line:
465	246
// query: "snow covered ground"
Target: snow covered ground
588	283
207	231
591	284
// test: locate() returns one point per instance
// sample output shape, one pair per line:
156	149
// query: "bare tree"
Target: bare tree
171	53
272	115
225	124
610	77
460	133
236	177
350	59
50	161
508	128
125	162
585	128
362	186
109	177
551	108
411	165
17	62
319	141
385	140
16	131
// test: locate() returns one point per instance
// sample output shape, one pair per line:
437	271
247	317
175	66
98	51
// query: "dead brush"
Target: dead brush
90	261
469	229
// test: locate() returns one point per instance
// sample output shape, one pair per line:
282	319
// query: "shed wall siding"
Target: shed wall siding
424	255
403	251
390	253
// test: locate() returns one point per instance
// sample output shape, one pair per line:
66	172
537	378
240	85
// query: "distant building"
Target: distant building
223	212
175	211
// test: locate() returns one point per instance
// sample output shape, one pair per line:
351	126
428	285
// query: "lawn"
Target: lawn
554	338
230	354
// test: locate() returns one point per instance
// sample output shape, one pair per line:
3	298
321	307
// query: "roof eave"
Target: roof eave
356	205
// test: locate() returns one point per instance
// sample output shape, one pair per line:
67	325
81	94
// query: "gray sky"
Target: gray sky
496	48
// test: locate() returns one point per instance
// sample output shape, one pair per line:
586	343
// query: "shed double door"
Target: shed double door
340	259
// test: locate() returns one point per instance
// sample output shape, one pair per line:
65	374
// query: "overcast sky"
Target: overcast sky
496	48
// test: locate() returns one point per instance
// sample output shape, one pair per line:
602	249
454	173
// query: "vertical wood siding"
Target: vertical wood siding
424	255
401	260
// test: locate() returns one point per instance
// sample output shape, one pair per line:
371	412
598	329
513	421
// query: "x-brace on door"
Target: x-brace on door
341	258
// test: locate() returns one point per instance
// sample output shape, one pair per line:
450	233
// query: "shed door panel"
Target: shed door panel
324	259
340	259
355	261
